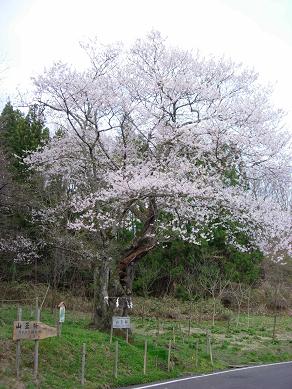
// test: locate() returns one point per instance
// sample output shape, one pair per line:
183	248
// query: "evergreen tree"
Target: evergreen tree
21	134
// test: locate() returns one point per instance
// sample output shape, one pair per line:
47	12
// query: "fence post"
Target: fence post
145	357
274	326
168	358
59	328
116	360
83	364
18	347
189	330
127	335
36	344
211	354
197	353
207	342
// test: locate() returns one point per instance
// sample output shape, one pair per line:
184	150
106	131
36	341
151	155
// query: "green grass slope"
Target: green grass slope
60	357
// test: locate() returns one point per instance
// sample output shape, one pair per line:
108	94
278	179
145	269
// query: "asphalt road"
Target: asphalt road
271	376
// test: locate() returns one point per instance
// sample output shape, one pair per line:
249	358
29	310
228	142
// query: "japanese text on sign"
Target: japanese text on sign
121	322
32	330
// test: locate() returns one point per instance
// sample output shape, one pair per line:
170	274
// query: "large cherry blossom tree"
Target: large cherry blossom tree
167	144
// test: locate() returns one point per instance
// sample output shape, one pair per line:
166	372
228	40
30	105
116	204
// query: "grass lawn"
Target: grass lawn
60	357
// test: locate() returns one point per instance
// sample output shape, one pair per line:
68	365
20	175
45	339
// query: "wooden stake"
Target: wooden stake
274	326
111	336
59	328
127	335
211	353
145	357
36	344
116	360
168	358
197	353
189	331
207	342
83	364
45	297
248	310
18	347
173	334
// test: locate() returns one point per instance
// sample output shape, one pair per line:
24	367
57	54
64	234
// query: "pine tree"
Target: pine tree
21	134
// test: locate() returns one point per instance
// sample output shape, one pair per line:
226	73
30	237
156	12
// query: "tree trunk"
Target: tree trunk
115	279
102	303
214	312
140	247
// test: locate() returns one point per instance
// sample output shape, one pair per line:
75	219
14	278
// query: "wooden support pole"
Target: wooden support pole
197	353
127	335
145	357
18	346
274	326
168	358
111	336
59	328
207	342
116	360
83	364
36	344
210	351
189	330
156	361
44	299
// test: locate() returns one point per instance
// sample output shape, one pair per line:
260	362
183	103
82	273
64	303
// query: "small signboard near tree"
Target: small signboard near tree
121	322
61	312
32	330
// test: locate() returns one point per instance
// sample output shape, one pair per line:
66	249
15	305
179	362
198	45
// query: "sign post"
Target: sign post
116	360
32	330
61	320
36	345
62	312
18	350
122	322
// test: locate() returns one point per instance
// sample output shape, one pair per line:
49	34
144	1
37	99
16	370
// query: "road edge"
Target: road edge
205	375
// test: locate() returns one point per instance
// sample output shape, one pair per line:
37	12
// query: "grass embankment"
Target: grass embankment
60	358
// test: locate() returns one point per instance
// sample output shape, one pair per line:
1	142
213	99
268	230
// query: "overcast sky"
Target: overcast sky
35	33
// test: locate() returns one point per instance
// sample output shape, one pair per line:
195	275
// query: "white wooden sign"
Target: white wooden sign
32	330
121	322
62	314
